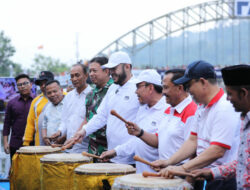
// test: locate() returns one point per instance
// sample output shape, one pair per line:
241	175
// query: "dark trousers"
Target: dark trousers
227	184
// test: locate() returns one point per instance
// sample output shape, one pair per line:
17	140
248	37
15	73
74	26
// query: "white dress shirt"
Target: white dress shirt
149	119
175	127
73	114
52	117
125	102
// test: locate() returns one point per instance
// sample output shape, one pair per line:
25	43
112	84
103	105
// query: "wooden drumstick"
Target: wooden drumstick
90	155
147	174
181	173
56	145
139	159
114	113
68	145
175	173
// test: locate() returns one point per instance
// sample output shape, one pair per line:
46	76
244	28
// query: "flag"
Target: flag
40	47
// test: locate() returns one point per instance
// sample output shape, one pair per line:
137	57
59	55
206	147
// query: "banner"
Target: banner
8	91
242	8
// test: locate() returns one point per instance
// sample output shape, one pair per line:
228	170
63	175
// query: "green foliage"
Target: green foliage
7	51
46	63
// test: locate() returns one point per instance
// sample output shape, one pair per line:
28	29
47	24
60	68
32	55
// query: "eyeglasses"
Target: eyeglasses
22	84
139	86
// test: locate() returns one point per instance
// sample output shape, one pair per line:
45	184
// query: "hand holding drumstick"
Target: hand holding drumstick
68	144
133	129
90	155
139	159
174	173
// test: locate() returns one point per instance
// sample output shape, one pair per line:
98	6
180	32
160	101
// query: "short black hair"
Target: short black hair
84	68
177	73
157	88
101	60
20	76
52	81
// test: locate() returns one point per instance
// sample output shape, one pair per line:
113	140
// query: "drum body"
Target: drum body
99	176
57	170
138	182
25	170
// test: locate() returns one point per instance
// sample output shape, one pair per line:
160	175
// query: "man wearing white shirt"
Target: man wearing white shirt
174	128
52	113
74	110
149	116
213	135
120	97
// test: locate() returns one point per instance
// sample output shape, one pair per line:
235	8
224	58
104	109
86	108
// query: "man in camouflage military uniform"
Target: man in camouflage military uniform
100	77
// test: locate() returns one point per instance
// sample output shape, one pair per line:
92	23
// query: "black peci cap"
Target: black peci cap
236	75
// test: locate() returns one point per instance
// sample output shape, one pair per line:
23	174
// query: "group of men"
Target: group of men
183	122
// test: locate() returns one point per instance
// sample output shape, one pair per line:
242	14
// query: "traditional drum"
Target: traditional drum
57	170
99	176
138	182
25	170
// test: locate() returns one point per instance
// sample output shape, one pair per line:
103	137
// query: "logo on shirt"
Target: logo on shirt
153	123
126	98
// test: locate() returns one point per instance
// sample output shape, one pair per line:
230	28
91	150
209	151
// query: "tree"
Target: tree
7	51
46	63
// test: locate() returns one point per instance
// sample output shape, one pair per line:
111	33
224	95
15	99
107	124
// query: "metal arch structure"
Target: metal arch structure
173	22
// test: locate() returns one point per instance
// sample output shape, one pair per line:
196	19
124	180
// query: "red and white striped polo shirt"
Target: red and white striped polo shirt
175	127
217	124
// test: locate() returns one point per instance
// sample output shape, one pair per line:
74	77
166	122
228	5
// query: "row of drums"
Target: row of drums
46	168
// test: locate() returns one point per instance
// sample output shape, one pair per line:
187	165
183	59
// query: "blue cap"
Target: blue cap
196	70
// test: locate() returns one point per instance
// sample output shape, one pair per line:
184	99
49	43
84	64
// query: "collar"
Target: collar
181	106
246	121
126	85
159	104
216	98
60	103
128	82
21	98
247	117
85	91
107	85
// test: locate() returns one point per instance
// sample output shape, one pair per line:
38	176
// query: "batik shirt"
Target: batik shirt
97	140
241	166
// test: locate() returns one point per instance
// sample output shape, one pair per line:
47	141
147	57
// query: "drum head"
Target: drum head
66	158
38	149
138	181
105	168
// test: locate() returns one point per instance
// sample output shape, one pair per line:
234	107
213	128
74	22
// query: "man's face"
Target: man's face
195	89
169	90
78	78
142	92
24	86
97	74
118	74
235	98
54	93
42	85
